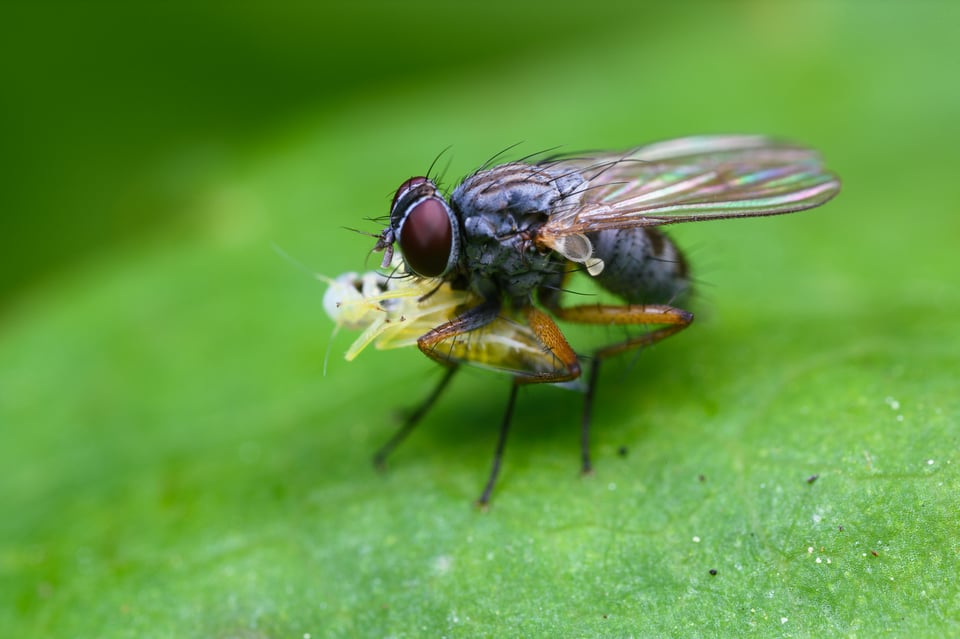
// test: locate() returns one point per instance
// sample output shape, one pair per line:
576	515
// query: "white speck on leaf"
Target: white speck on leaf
442	564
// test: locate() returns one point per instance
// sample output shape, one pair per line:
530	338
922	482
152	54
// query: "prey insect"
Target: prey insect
395	311
502	244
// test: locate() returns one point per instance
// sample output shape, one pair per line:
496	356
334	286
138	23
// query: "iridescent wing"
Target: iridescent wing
685	180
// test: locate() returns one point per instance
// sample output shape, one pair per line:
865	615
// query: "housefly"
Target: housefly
503	243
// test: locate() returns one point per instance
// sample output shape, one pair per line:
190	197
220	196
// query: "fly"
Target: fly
505	240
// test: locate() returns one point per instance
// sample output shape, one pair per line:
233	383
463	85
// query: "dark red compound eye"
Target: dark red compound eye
426	238
406	186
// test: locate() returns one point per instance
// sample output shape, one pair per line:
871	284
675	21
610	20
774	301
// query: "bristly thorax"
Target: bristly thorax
501	210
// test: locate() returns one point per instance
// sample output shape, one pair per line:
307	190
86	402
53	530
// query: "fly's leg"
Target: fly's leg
431	343
552	339
586	468
546	332
549	335
472	319
672	320
380	457
498	452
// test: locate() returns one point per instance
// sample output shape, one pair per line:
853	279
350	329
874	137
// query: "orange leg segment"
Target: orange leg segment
672	320
553	340
439	344
476	317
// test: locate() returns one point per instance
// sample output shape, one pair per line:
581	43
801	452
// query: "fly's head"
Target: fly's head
425	227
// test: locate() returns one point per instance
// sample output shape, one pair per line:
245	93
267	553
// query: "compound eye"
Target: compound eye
406	186
426	238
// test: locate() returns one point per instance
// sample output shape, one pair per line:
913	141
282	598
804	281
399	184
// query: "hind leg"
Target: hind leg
671	320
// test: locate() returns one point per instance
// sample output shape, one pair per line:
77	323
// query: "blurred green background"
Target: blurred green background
175	463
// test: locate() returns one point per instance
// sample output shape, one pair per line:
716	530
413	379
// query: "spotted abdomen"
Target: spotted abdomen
641	265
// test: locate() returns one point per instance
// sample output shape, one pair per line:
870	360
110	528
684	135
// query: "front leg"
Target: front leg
525	343
380	457
481	337
440	344
474	318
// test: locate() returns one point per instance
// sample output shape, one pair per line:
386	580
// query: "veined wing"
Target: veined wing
687	180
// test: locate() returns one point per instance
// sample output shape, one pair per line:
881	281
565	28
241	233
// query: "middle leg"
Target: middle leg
671	320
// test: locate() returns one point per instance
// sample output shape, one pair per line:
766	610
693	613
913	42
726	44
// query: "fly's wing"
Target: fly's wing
685	180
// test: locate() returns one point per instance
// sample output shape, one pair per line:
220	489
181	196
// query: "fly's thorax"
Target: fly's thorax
499	255
501	210
642	265
518	188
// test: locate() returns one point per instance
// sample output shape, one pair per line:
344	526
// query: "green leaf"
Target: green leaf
176	463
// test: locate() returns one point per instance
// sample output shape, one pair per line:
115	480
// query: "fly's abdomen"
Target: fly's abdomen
641	265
